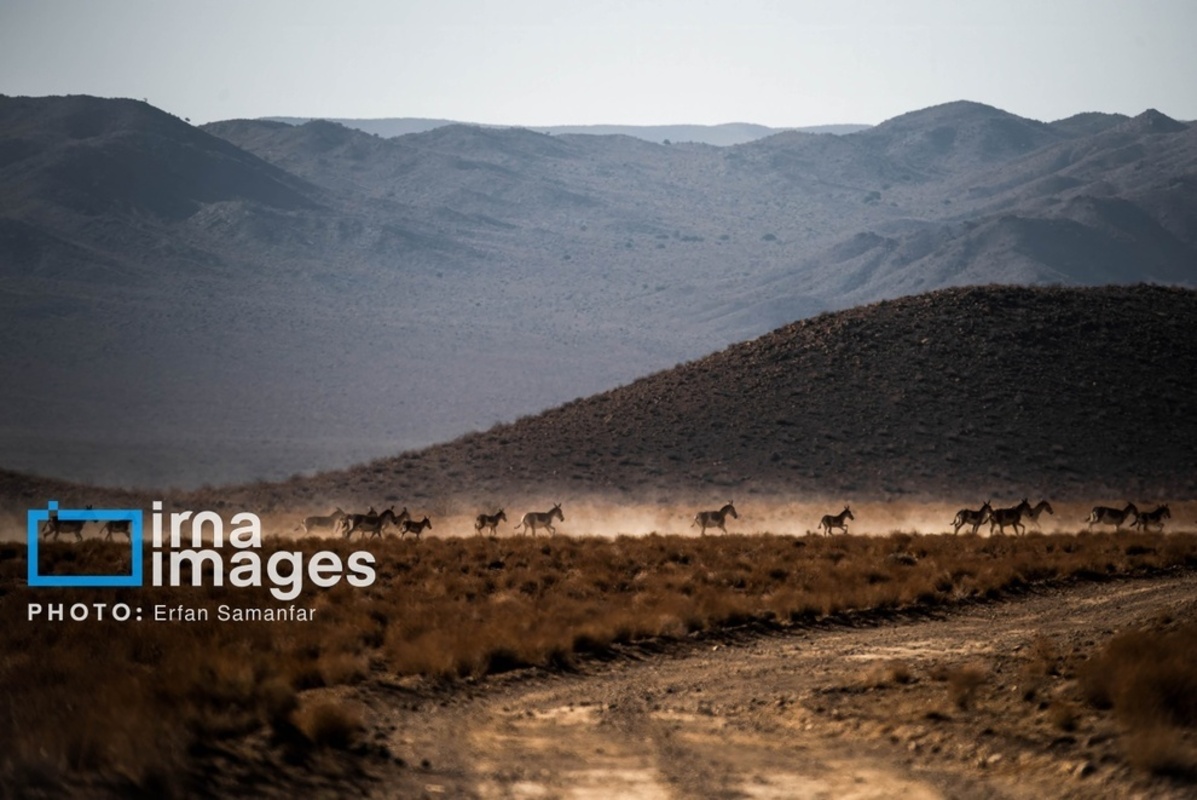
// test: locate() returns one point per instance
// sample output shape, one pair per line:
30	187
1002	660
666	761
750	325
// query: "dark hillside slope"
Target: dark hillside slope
97	157
1068	393
996	391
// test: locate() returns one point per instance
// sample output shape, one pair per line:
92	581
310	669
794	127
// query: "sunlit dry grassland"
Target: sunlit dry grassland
137	699
1148	678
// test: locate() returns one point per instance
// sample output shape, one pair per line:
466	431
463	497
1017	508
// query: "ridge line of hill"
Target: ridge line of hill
975	391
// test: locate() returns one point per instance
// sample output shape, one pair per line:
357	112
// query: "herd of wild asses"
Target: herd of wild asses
1002	518
999	519
370	522
374	523
56	526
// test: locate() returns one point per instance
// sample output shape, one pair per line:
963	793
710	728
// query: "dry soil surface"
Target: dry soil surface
959	703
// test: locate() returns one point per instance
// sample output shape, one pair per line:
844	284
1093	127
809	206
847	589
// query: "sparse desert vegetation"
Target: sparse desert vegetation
1148	678
134	700
1117	712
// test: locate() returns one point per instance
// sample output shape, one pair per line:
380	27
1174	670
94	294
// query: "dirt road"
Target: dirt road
953	705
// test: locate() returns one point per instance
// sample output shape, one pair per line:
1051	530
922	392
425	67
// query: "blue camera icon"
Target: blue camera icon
51	519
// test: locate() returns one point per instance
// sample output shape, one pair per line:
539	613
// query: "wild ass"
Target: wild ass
489	521
372	523
1039	508
1003	517
409	526
56	526
117	526
976	518
1153	518
541	519
830	521
1104	515
310	524
714	519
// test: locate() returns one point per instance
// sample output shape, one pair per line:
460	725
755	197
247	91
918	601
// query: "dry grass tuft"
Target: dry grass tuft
342	668
329	723
887	673
1149	679
1161	751
1044	658
964	683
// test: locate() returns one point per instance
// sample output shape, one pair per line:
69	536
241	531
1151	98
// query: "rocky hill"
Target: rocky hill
1048	391
997	391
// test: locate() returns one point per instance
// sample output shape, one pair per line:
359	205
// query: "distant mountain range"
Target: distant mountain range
253	298
719	135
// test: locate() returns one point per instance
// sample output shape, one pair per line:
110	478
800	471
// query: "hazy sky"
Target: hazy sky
536	62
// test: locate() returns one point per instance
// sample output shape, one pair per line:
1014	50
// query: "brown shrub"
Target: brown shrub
887	673
1160	751
278	701
1043	658
342	668
1149	678
329	723
963	684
